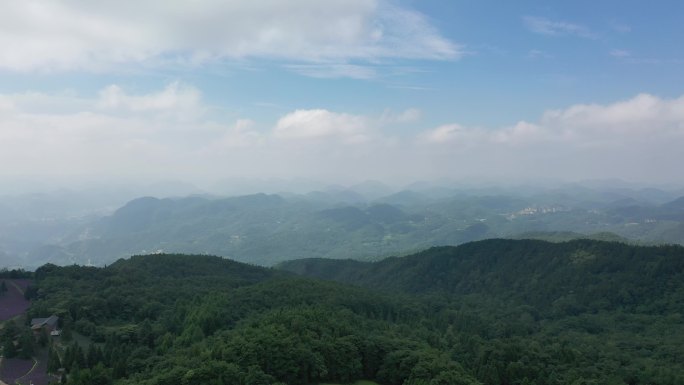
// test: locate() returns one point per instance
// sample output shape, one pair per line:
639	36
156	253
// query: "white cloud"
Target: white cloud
631	120
341	127
242	134
171	132
319	123
99	36
521	132
115	132
548	27
177	99
65	134
640	138
408	115
452	133
641	112
118	132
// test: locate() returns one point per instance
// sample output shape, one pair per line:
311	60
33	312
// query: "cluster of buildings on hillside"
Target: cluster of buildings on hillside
49	325
537	210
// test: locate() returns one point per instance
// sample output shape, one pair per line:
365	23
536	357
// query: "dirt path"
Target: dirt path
35	364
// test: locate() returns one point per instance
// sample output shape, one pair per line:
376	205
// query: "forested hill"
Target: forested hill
567	277
496	312
193	319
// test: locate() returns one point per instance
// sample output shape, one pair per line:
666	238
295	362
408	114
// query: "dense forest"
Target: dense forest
489	312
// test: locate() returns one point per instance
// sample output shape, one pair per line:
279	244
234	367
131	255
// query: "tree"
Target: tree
94	356
98	375
26	344
145	336
54	363
8	348
30	293
74	376
120	368
255	376
66	332
43	338
10	331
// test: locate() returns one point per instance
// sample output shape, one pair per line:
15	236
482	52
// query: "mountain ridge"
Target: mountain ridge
592	273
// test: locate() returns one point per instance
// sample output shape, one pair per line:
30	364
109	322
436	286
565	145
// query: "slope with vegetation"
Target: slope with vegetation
490	312
171	319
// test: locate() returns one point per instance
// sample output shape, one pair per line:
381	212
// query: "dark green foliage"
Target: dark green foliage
30	293
581	304
43	338
67	336
9	334
26	342
8	349
13	340
555	278
54	363
492	312
15	273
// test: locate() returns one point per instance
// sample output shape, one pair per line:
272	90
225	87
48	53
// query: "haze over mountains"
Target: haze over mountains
341	192
365	221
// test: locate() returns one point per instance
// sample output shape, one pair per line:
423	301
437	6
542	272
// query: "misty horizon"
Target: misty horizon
232	186
390	111
329	192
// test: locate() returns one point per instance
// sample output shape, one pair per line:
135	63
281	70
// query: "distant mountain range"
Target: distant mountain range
358	222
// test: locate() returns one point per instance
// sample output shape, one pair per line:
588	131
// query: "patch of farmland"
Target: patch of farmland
14	368
12	302
37	376
22	283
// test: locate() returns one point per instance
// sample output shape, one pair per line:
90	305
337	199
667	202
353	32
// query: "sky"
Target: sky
342	90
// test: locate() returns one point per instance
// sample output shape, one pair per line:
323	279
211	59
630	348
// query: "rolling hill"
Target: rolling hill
585	275
489	312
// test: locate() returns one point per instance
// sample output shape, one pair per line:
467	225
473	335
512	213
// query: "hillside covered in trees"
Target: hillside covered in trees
489	312
577	276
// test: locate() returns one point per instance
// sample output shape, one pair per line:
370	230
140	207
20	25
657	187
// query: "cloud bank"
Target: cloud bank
171	133
66	35
637	139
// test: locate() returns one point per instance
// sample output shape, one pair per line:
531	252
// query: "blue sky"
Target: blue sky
342	90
